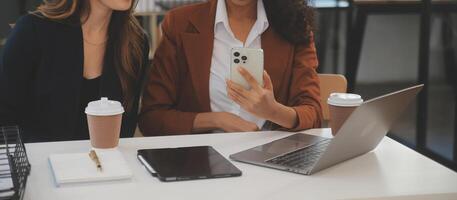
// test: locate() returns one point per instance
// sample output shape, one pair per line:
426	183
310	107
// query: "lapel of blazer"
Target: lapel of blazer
277	57
198	47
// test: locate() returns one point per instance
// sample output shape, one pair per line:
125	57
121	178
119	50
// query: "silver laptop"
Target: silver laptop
361	133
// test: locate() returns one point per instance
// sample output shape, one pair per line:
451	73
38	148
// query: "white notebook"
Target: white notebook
79	168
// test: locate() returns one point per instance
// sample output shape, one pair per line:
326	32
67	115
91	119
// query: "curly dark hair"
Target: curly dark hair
292	19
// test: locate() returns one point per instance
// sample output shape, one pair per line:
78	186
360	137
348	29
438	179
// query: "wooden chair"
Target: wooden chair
330	83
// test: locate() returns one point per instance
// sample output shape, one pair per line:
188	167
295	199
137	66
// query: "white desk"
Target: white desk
391	170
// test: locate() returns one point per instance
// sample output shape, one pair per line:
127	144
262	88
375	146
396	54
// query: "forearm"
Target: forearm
166	122
206	122
284	116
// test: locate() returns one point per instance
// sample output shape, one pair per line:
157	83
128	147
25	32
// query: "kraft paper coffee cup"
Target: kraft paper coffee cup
104	119
341	105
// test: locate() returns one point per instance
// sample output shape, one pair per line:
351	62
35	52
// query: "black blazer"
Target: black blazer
41	73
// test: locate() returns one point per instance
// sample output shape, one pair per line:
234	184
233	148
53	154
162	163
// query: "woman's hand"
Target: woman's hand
260	100
228	122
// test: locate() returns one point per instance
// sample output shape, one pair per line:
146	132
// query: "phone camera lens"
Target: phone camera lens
236	54
244	58
237	61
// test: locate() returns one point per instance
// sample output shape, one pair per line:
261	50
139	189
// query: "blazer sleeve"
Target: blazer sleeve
304	96
17	64
158	114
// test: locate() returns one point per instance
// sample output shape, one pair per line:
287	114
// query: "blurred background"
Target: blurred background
379	45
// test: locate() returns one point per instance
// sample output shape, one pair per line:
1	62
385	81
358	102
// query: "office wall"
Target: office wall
390	48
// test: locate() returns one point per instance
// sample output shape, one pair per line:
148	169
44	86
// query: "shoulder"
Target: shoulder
179	17
184	12
34	19
42	29
24	28
35	26
42	23
26	22
30	18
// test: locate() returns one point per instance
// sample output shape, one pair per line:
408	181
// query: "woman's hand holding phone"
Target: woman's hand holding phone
260	100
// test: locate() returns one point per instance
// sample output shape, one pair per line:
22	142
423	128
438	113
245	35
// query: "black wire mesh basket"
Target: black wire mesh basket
14	165
170	4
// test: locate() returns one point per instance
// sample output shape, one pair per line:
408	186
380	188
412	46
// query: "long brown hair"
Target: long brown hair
125	35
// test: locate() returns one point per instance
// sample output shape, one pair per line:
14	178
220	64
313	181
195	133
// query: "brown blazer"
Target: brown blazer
178	87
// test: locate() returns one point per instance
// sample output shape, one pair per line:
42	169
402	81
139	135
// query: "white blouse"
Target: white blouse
224	41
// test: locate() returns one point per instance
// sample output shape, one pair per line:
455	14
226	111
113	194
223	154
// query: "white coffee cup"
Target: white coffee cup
341	105
104	119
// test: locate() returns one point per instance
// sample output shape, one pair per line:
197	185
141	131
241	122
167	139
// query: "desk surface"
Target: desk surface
391	170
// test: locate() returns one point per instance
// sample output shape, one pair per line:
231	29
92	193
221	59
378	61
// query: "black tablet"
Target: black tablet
186	163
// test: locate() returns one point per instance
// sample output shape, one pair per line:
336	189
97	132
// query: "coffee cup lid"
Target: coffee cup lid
344	99
104	107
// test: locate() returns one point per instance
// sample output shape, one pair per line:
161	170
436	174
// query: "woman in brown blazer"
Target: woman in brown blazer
188	90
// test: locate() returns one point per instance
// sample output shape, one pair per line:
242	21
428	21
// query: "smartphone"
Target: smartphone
251	60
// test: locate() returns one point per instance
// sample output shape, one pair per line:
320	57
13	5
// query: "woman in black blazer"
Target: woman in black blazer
66	54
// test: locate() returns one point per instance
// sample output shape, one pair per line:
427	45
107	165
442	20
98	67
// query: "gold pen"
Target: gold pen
94	157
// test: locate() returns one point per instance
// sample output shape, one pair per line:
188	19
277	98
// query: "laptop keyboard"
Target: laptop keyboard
301	158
